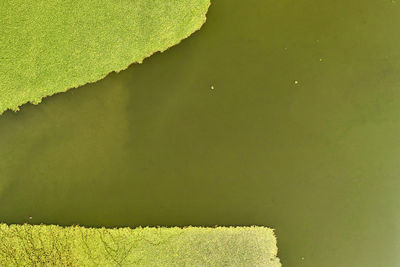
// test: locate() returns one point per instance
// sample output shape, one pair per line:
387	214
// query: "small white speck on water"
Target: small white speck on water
302	258
285	48
212	87
296	82
320	60
30	217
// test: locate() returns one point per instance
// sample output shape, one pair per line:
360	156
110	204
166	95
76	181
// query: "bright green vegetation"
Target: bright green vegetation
48	47
51	245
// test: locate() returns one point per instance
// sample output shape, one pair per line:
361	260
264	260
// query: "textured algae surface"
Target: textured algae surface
51	245
48	47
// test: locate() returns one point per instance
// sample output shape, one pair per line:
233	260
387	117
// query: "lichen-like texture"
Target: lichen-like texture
49	46
40	245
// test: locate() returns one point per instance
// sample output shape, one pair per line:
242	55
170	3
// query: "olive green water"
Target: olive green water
301	133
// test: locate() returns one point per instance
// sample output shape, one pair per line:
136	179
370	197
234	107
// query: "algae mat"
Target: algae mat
48	47
49	245
154	145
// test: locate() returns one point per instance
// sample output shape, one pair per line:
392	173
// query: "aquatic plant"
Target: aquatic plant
47	47
51	245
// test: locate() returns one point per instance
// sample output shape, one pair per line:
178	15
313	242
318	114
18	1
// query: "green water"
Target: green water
300	133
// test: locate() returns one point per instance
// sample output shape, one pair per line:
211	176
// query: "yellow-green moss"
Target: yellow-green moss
49	46
27	245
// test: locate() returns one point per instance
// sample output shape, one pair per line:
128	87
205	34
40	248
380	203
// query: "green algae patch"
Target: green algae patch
51	245
50	46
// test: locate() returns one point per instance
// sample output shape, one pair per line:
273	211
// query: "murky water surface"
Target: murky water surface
301	133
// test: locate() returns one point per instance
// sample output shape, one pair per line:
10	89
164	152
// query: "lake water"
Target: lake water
300	133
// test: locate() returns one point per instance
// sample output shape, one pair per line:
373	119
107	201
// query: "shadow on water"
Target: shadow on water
300	133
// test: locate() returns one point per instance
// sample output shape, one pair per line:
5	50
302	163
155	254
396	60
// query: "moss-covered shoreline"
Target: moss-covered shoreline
47	47
51	245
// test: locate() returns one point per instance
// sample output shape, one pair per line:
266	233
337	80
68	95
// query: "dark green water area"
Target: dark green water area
300	133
